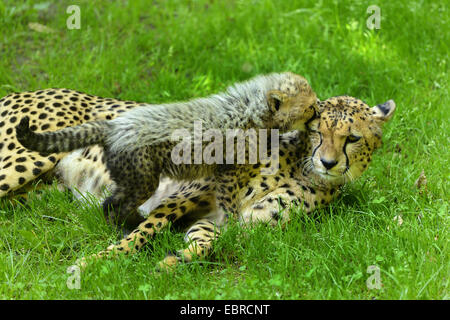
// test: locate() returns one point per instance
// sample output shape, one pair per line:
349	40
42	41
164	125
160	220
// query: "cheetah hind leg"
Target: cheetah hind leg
38	186
136	176
121	207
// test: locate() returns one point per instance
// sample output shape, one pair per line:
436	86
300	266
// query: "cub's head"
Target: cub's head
344	136
292	102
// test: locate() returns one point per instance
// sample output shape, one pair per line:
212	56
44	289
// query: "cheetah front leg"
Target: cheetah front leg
154	223
200	237
198	199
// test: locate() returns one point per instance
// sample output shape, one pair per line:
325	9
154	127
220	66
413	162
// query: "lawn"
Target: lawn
160	51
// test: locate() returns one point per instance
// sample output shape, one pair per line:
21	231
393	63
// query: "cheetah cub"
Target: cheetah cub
138	144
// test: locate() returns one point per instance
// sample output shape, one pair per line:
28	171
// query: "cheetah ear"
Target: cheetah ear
383	112
275	99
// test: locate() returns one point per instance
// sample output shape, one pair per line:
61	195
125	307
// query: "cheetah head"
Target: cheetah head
293	103
344	136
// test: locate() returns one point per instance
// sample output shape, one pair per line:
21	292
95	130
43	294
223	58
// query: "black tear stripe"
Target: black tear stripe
347	161
315	149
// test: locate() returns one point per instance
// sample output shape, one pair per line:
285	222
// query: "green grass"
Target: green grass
159	51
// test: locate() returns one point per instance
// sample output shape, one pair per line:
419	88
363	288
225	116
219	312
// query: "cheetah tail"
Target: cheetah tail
63	140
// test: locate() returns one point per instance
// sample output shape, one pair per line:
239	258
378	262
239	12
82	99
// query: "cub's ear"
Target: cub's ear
383	112
275	99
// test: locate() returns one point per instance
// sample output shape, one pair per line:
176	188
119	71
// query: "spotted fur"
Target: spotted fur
346	133
47	110
138	144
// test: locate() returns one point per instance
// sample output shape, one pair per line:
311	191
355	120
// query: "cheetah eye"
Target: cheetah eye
352	138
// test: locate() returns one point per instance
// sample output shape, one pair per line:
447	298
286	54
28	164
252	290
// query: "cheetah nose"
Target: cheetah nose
328	163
